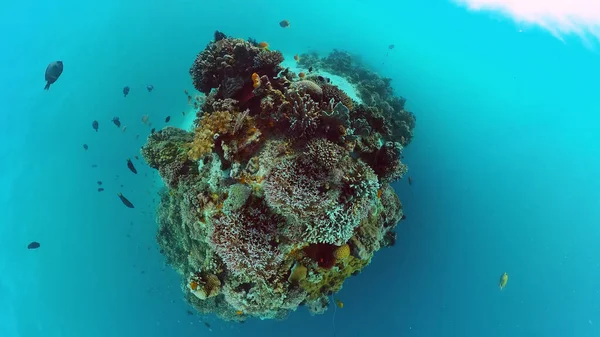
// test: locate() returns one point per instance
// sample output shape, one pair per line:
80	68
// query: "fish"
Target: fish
339	304
503	281
189	312
167	119
321	78
116	121
99	182
145	119
125	201
123	129
390	47
297	58
207	324
53	72
153	130
150	87
239	312
284	24
95	125
263	45
186	92
125	91
85	146
94	165
301	75
310	69
136	157
33	245
403	217
410	180
130	166
100	189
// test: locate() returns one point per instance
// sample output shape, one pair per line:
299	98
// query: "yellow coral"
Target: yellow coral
342	252
298	274
331	280
210	126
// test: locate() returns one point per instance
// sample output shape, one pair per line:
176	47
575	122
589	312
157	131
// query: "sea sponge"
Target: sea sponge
342	252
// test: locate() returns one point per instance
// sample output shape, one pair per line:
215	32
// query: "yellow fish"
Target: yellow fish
503	281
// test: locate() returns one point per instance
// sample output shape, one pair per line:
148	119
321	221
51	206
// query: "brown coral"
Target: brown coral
331	91
308	87
211	126
204	286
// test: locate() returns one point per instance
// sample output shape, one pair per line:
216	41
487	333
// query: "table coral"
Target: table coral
283	190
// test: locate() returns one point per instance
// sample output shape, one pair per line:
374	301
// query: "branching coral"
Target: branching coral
282	190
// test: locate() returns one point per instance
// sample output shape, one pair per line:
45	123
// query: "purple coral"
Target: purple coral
243	241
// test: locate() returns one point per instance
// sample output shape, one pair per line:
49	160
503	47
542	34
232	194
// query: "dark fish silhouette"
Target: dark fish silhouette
99	182
130	166
391	47
167	119
95	125
410	180
100	189
85	146
117	121
53	72
403	217
125	201
153	130
310	69
284	24
33	245
125	91
150	87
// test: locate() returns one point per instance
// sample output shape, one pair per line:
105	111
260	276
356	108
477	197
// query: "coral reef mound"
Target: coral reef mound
281	192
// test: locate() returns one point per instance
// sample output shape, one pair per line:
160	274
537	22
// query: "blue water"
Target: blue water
504	166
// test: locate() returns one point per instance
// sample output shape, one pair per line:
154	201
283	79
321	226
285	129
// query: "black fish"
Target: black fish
125	201
153	130
117	121
403	217
391	47
321	78
131	167
94	165
125	91
53	72
150	87
189	312
410	180
95	125
99	182
33	245
219	36
100	189
85	147
167	119
310	69
207	324
328	80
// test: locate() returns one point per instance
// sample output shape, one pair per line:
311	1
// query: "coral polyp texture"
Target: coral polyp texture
282	191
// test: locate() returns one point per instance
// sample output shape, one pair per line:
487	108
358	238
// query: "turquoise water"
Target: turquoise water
504	167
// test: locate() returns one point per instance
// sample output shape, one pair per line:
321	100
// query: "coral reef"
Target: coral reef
282	191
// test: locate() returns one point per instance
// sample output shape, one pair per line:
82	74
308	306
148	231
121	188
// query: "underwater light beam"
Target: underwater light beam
560	17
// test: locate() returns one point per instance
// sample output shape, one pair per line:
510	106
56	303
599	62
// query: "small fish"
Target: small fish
125	91
255	80
116	121
301	75
33	245
328	80
125	201
167	119
503	281
263	45
137	136
390	47
207	324
410	180
153	130
150	87
95	125
239	312
284	24
297	58
183	113
130	166
100	189
189	312
339	304
310	69
186	92
99	182
145	119
94	165
53	72
136	157
321	78
123	129
403	217
85	146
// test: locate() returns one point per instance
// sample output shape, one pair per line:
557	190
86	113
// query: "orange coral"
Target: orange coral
255	80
